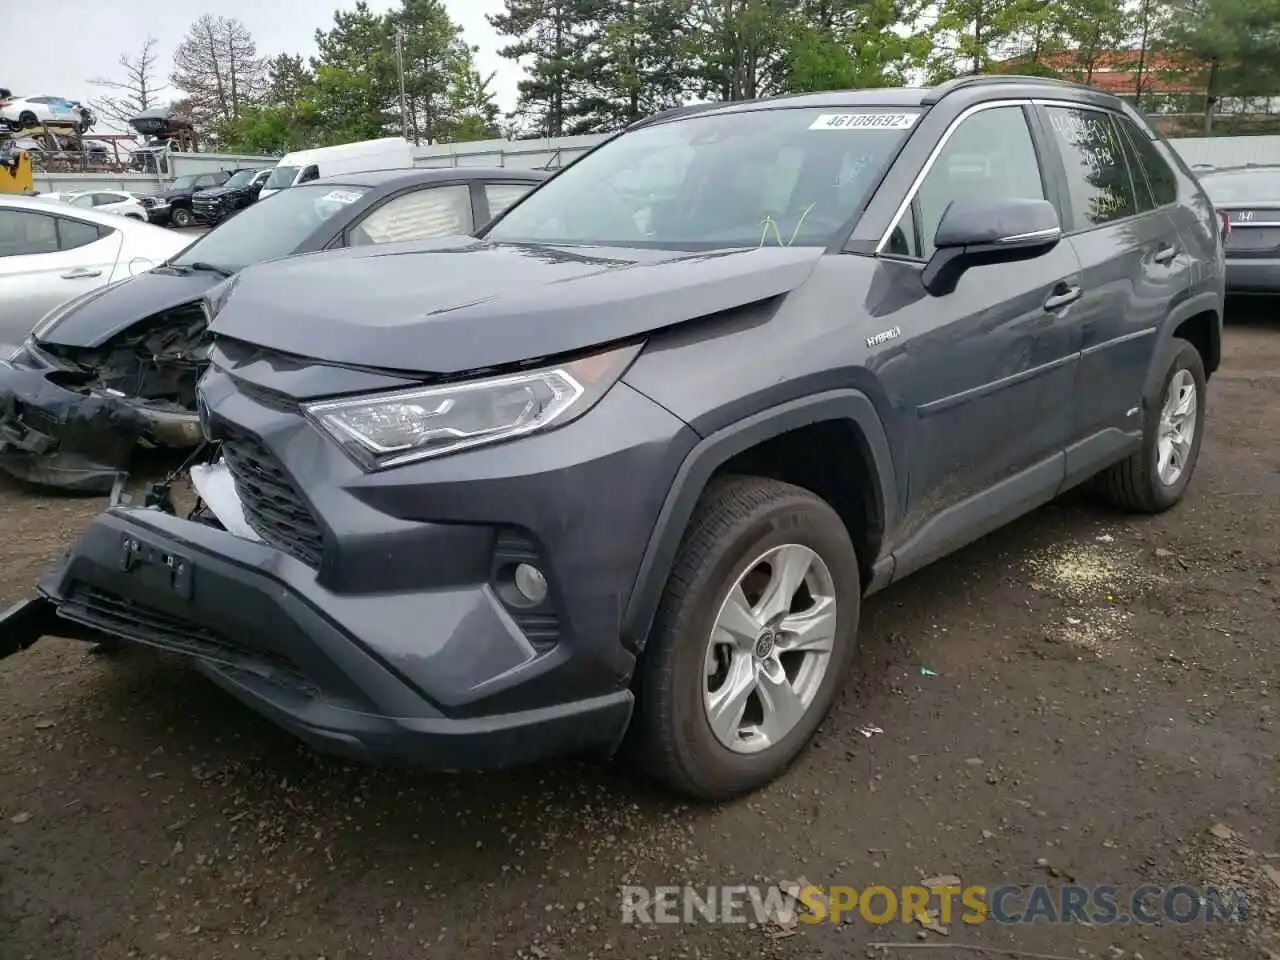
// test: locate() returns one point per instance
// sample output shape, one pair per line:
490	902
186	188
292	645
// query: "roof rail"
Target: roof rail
994	79
675	112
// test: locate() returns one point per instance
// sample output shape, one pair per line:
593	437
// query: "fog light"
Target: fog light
530	582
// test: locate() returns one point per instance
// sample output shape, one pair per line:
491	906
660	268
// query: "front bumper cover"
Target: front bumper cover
54	436
235	608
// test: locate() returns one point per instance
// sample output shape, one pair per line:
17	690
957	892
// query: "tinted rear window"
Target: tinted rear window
1243	186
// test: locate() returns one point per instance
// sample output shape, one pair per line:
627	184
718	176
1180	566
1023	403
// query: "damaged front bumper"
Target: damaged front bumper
79	439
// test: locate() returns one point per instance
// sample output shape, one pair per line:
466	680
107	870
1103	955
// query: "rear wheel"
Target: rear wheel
182	217
1155	478
753	636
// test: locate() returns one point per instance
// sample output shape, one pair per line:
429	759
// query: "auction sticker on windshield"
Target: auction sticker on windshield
342	196
863	121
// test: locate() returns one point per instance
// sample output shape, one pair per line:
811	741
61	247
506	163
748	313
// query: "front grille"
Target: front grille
272	504
111	613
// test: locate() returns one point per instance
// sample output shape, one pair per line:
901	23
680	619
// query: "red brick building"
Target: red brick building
1116	71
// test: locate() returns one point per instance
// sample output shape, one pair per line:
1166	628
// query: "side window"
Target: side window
311	173
102	199
77	233
503	195
990	156
23	233
431	212
1098	185
1141	189
85	200
1164	185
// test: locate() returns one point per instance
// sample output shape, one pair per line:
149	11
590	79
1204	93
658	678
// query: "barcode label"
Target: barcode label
864	121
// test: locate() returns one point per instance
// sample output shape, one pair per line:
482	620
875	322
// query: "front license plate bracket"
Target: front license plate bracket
153	565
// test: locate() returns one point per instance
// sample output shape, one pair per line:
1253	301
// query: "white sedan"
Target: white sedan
19	113
107	201
51	252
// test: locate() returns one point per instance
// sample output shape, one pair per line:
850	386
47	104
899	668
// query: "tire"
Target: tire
26	119
737	522
181	217
1136	484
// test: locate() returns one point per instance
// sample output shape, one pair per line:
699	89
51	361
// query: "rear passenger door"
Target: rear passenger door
1134	267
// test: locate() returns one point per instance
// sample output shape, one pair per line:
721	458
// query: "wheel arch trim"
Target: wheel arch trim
716	449
1207	302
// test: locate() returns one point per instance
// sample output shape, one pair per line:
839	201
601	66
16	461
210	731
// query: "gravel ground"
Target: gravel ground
1098	704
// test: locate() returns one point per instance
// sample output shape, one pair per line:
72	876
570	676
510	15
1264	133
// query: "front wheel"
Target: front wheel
753	636
182	217
1155	478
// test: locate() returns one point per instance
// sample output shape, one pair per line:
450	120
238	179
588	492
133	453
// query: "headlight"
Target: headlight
389	429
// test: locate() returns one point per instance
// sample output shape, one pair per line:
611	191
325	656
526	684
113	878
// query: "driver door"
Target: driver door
986	372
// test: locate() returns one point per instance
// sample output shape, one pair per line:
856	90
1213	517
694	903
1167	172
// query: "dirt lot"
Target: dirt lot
1099	704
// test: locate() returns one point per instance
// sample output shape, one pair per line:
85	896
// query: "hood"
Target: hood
465	304
96	317
213	193
174	194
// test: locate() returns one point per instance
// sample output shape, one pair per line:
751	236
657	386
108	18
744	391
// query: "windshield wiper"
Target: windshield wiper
203	267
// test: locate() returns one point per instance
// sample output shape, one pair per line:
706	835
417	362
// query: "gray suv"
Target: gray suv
616	476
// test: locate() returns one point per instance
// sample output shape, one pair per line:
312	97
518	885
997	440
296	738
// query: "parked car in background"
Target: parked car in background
303	166
619	472
214	204
20	113
120	365
108	201
1249	198
52	252
173	204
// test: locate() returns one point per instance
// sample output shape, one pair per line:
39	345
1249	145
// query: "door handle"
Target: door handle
1061	296
1165	253
81	273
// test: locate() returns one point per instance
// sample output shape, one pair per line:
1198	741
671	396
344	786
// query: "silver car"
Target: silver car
1249	198
51	252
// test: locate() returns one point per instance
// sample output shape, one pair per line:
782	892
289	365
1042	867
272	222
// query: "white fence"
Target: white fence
555	153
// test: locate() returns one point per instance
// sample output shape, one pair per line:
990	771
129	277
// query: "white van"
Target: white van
389	153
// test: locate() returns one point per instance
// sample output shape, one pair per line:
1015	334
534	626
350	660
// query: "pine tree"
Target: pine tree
557	36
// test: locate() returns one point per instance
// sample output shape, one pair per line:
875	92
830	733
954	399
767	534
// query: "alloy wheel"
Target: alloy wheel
769	648
1177	430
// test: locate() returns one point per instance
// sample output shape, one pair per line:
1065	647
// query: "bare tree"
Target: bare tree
135	90
217	66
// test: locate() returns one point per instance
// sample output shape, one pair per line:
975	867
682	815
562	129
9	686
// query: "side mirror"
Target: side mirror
976	232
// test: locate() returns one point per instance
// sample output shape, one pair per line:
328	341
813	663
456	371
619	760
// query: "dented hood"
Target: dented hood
463	305
96	317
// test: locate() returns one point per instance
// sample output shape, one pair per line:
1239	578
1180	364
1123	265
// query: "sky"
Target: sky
54	48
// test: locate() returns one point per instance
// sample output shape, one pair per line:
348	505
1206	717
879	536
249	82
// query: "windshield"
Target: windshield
1250	186
271	228
83	200
775	177
240	179
184	183
280	178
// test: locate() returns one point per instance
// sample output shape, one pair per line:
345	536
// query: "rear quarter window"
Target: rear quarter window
1160	176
